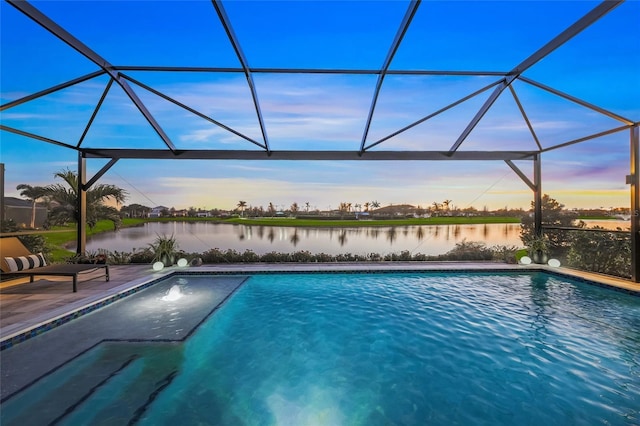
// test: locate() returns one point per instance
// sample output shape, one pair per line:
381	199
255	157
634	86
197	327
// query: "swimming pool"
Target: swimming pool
332	349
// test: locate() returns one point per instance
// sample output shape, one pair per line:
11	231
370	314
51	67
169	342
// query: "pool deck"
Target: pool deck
25	305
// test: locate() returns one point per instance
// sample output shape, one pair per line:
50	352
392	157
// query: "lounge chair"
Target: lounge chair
15	259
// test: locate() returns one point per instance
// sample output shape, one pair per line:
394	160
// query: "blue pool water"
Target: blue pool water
380	349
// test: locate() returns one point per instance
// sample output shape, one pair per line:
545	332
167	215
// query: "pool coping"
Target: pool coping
21	332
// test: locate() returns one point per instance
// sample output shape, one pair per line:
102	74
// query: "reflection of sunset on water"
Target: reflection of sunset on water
613	225
197	237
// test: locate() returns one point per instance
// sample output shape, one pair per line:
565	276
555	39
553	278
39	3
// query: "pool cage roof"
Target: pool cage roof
278	80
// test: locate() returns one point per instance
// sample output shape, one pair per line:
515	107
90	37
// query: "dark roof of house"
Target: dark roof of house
16	202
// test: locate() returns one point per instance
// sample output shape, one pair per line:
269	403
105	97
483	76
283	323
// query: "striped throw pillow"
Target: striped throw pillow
25	262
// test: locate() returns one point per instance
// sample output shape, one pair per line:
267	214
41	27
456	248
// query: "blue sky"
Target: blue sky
325	112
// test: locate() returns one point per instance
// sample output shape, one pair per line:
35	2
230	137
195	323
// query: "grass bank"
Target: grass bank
596	218
64	235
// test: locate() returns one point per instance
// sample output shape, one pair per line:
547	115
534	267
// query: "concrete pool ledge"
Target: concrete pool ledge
28	309
595	278
147	317
52	312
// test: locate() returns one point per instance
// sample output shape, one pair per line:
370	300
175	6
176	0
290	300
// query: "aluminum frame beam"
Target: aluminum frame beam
52	89
592	16
105	92
48	24
525	117
83	187
537	195
226	23
159	154
193	111
404	26
481	112
586	138
81	235
430	116
634	181
100	173
1	192
521	174
573	30
577	100
36	137
258	70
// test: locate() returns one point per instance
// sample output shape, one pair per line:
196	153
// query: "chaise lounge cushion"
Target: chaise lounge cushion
22	263
16	259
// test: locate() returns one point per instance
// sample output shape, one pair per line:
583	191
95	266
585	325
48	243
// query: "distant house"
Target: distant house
157	211
204	214
20	210
181	213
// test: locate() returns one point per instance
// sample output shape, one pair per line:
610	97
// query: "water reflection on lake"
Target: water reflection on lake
197	237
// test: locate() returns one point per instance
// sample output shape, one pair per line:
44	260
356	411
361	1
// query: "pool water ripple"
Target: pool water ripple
379	349
411	349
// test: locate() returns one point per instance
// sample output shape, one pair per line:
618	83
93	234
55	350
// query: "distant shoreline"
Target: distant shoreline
60	237
350	223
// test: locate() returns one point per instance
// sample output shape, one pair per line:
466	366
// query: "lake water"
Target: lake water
197	237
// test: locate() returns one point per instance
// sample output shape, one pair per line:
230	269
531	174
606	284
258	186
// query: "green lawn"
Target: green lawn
596	218
365	223
65	235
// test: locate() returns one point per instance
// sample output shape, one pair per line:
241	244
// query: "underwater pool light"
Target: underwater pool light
173	294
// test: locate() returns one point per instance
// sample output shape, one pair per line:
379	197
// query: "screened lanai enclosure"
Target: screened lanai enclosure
548	91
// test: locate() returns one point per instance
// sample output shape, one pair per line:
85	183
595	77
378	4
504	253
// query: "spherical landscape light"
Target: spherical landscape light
553	263
158	266
182	262
525	260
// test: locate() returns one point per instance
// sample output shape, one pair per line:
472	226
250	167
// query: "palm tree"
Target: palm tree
242	205
67	198
32	193
436	208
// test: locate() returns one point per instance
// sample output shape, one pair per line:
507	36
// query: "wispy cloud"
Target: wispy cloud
10	116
